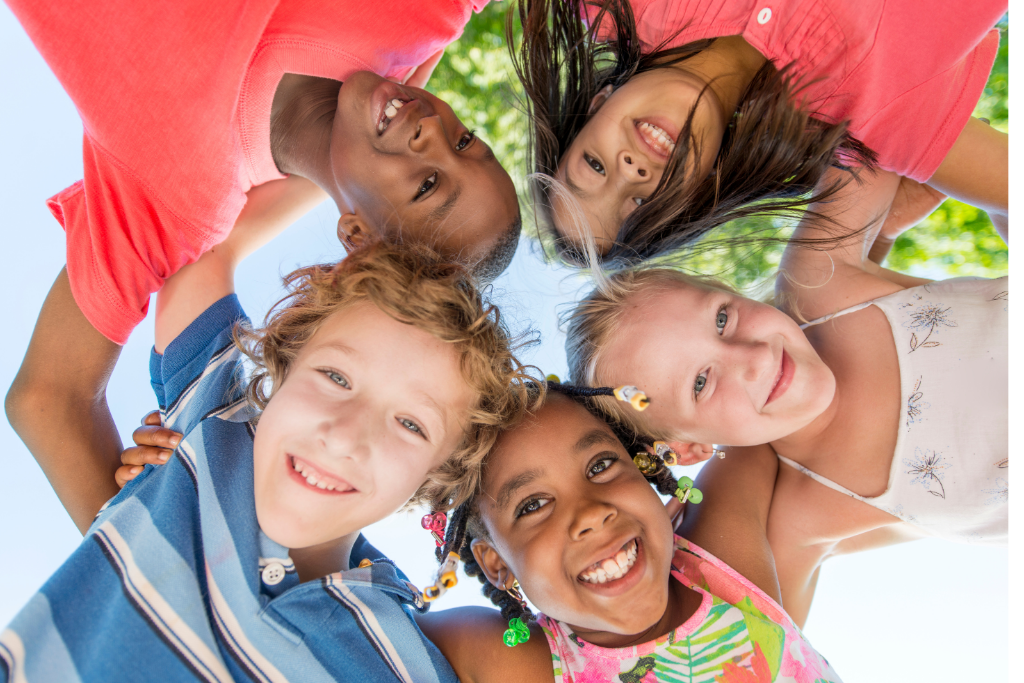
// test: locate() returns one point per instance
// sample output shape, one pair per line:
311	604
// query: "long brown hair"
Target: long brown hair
772	157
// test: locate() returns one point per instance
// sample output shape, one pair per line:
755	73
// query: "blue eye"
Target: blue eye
336	378
721	319
698	385
410	425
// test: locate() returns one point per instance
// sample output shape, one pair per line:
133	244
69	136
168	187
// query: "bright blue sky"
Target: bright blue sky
924	611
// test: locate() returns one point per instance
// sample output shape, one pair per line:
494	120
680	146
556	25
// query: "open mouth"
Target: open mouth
612	568
391	110
316	478
660	142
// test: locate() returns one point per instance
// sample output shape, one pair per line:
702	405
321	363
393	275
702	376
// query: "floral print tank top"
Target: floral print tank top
950	469
738	635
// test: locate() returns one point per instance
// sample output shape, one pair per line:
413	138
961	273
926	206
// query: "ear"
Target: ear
352	231
598	100
494	568
690	453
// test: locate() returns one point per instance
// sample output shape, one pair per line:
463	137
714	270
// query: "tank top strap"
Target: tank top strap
830	316
822	480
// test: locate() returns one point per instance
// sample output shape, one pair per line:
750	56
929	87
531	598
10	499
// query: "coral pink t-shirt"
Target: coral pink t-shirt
175	102
907	73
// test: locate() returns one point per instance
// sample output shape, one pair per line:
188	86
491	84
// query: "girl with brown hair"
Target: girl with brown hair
655	121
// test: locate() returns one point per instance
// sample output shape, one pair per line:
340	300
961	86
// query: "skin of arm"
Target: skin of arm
470	638
57	403
976	171
732	519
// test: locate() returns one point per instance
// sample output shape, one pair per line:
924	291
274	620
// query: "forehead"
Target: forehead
557	435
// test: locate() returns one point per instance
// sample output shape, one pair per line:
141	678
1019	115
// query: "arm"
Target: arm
470	638
976	171
912	203
57	402
732	519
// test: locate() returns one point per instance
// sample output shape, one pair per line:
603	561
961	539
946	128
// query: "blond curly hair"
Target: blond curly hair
413	285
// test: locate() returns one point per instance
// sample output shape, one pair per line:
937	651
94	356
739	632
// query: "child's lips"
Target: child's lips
316	478
783	379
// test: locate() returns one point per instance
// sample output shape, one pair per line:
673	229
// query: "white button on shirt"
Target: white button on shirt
273	574
764	16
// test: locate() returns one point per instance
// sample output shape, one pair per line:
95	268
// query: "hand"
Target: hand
419	76
153	446
912	203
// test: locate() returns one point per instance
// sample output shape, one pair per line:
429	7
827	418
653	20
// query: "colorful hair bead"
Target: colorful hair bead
446	579
686	492
632	395
517	632
553	378
665	452
435	523
645	464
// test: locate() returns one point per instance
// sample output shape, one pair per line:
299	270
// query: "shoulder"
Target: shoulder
471	639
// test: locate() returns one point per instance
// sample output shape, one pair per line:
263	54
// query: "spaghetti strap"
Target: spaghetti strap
830	316
820	479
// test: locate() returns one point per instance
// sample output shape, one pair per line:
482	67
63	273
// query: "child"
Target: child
188	105
893	396
209	561
667	118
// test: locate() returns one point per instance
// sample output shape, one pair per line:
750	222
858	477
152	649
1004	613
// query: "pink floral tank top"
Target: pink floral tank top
738	635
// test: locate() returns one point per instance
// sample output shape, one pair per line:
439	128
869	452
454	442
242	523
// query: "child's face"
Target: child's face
426	169
560	497
368	408
718	368
620	154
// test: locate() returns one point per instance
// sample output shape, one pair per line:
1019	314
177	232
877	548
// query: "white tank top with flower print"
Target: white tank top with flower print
950	470
738	635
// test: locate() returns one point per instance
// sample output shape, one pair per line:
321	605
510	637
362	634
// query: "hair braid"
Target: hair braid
509	606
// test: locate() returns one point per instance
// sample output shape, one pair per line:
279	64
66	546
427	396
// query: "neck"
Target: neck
683	602
301	123
728	66
318	561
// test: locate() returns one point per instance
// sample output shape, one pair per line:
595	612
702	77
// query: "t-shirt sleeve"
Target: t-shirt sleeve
122	242
201	370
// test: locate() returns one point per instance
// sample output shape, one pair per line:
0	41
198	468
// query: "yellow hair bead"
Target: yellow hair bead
364	563
632	395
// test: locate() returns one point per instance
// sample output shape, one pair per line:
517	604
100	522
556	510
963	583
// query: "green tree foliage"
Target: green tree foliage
476	78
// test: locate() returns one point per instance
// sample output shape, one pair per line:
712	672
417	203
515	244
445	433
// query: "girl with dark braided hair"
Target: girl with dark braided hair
565	508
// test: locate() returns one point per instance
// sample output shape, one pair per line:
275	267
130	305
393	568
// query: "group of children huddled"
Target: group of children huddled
861	408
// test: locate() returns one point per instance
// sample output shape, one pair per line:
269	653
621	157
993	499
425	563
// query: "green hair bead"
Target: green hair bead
517	632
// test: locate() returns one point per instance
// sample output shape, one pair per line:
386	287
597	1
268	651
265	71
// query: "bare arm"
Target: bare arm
731	520
976	171
57	403
470	638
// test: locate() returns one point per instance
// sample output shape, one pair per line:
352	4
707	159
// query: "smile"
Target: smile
660	142
611	568
316	478
783	379
390	112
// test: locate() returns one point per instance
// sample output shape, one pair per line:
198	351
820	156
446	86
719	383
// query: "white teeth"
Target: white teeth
612	568
658	138
311	479
321	485
390	112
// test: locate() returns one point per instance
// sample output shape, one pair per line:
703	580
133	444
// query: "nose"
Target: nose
591	516
348	434
428	132
753	359
633	167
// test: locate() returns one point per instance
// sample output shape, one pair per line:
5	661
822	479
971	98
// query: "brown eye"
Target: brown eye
593	163
427	185
465	140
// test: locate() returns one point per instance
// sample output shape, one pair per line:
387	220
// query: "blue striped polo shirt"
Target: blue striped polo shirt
175	580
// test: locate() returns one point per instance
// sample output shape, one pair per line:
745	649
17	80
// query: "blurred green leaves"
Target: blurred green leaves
476	78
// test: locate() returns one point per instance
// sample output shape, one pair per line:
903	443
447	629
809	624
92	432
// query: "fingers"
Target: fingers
125	473
151	418
154	435
145	455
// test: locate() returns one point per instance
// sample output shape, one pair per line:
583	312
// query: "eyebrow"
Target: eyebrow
442	211
514	484
593	438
